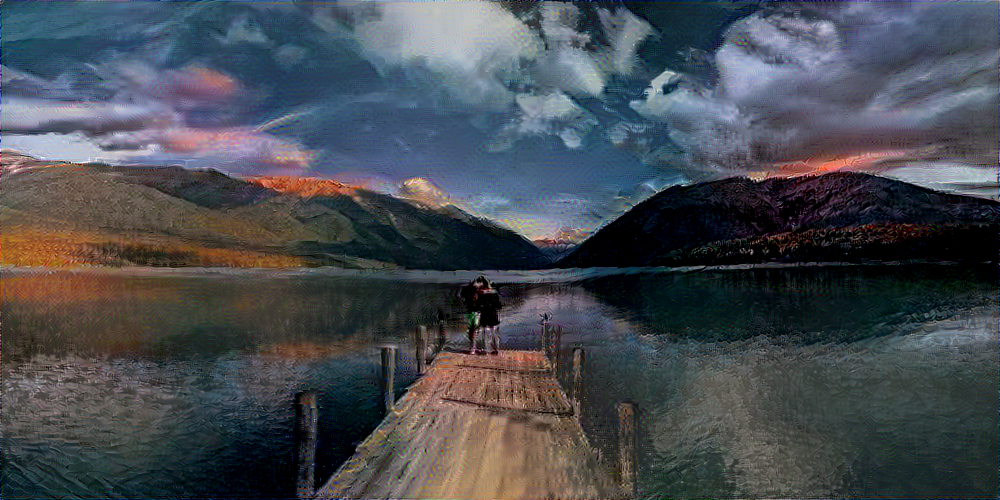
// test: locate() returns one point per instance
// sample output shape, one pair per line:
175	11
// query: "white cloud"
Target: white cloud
626	33
290	55
485	55
573	70
567	65
573	63
30	115
548	114
243	30
474	46
949	176
74	147
539	110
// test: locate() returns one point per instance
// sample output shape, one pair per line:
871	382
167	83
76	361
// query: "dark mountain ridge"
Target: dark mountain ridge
837	215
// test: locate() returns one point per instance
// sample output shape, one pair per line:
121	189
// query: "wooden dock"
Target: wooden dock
478	427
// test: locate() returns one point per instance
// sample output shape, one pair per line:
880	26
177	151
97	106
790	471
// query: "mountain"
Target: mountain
57	213
554	248
832	217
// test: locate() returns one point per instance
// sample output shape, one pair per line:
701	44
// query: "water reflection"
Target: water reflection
750	383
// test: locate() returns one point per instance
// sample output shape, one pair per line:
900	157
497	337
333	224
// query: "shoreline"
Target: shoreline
505	276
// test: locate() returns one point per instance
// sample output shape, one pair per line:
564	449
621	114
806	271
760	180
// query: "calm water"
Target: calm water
790	382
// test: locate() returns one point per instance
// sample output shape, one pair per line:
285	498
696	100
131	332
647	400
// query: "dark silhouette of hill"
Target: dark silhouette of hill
833	217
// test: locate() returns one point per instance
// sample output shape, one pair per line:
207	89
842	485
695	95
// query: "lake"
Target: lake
785	382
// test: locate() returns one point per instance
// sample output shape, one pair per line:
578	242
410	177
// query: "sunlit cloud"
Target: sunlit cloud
473	58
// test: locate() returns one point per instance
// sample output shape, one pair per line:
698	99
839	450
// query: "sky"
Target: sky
552	118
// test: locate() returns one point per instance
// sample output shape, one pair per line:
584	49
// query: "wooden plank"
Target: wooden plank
509	360
511	436
496	389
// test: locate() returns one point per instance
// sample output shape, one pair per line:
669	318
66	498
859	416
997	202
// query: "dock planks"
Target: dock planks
477	427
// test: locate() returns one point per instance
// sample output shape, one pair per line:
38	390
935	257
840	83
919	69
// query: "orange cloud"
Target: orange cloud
816	166
238	144
203	83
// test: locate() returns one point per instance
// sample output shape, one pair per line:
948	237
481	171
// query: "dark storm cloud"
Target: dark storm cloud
796	83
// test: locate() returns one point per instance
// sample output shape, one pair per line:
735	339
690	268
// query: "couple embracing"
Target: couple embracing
483	305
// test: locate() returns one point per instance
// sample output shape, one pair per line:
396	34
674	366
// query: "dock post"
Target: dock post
388	376
421	347
546	348
442	335
627	446
306	418
579	358
557	350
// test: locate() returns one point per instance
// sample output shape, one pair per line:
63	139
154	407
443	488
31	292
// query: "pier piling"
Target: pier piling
579	358
388	377
546	343
626	446
306	419
442	334
421	348
557	350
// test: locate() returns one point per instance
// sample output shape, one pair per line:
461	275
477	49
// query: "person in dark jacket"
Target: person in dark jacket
468	294
489	304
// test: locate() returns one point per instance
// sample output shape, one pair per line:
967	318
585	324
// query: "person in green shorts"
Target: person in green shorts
473	327
468	295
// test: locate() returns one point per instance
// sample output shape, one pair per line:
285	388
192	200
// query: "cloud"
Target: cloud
549	114
243	150
799	84
491	55
148	117
567	64
233	150
243	31
626	34
290	55
577	63
74	147
947	176
32	115
24	84
475	57
487	203
189	89
137	96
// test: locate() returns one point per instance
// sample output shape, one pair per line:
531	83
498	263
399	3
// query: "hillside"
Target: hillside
56	213
833	217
